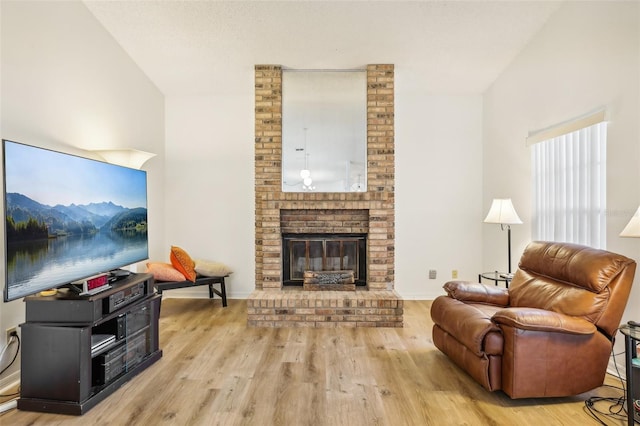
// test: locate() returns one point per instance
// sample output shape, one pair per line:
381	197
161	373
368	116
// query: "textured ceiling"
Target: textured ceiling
202	47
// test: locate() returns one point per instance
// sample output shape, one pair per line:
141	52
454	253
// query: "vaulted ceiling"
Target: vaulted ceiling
203	47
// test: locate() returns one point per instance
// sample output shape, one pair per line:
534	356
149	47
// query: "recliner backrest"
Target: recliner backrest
575	280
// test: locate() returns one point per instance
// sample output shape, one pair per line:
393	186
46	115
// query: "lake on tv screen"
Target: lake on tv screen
42	264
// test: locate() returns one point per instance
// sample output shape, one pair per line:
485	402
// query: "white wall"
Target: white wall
210	184
67	85
586	57
438	189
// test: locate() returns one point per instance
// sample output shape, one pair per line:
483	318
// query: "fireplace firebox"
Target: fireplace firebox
323	252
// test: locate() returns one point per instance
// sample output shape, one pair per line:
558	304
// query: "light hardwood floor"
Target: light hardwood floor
216	371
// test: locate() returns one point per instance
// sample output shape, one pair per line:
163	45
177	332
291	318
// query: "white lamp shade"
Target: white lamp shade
502	212
633	227
125	157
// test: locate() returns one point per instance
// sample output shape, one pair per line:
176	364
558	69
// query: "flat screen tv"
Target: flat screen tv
68	218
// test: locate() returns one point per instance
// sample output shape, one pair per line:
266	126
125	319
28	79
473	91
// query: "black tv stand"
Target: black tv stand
62	370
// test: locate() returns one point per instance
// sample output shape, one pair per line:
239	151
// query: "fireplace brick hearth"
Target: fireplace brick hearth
324	309
333	212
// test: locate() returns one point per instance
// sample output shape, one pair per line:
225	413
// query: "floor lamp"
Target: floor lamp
503	213
633	227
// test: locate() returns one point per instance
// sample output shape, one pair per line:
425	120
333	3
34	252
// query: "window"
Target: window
569	184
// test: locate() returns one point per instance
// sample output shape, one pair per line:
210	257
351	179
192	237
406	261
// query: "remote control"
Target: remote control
634	324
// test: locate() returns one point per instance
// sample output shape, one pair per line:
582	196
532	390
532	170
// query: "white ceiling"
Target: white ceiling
203	47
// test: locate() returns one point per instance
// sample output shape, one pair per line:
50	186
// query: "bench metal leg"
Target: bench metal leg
222	293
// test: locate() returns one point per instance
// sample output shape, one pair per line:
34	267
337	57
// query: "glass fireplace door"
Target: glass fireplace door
328	253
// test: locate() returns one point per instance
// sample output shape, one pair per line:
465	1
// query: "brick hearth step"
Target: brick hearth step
300	308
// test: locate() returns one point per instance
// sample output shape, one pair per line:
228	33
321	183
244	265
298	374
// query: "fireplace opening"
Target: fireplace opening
323	252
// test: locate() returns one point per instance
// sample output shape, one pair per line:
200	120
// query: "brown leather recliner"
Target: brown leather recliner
550	333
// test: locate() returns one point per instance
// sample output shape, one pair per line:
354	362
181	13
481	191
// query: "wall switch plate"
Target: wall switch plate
432	274
454	273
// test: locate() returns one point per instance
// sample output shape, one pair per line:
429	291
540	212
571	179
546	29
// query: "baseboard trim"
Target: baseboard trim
10	403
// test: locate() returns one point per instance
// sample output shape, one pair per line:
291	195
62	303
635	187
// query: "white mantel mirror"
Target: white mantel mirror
324	131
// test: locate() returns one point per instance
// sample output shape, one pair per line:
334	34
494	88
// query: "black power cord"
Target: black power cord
617	409
15	356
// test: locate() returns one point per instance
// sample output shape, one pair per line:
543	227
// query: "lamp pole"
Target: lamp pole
509	247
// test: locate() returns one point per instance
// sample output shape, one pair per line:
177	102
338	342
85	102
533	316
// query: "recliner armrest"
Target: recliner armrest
466	291
542	320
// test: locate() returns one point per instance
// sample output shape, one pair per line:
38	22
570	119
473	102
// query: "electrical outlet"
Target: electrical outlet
454	273
9	332
432	274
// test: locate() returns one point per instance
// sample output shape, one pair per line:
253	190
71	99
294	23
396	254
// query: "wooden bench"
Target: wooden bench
200	280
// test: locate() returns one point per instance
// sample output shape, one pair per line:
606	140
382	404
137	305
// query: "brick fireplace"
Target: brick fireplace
370	213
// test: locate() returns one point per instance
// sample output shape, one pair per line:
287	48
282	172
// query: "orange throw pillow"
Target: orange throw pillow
181	260
164	272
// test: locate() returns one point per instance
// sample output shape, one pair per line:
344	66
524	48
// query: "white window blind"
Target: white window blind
569	187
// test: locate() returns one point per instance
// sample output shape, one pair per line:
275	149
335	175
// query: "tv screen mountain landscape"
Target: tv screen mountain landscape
68	218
